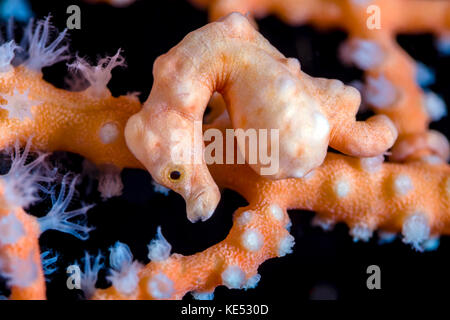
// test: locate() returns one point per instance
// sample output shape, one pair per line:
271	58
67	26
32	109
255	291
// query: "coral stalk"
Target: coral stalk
67	121
20	259
412	199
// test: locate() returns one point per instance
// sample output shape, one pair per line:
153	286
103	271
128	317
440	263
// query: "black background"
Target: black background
149	28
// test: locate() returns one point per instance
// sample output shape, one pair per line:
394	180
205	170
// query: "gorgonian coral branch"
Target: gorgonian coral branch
258	234
94	114
397	199
20	260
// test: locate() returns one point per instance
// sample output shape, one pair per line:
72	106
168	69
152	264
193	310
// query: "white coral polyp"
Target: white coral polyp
160	188
372	164
252	240
160	286
416	230
124	272
19	272
204	296
98	76
364	54
41	52
285	245
361	233
109	132
252	282
89	275
58	218
11	229
19	105
233	277
110	183
159	248
22	180
380	92
434	106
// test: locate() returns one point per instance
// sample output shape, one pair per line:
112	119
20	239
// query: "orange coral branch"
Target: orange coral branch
20	257
404	15
356	191
396	198
254	238
61	120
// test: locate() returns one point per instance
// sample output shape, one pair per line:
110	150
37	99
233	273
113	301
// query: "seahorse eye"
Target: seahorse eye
175	175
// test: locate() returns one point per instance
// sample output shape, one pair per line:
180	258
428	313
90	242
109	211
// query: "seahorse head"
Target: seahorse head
168	145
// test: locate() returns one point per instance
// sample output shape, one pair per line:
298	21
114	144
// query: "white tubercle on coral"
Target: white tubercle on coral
435	106
160	286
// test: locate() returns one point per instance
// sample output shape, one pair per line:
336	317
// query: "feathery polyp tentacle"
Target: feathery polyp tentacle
41	53
48	262
58	218
98	76
22	180
159	248
89	274
124	271
110	182
7	52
